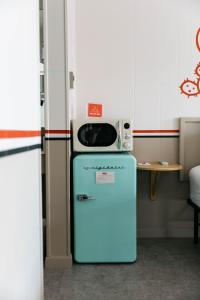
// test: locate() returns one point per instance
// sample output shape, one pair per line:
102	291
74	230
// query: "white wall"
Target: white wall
55	65
20	192
19	38
132	56
104	56
20	230
70	13
165	54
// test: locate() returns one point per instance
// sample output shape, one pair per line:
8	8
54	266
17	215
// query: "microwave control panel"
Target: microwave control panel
127	141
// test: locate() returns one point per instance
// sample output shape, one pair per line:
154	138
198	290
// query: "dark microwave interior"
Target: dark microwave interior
97	135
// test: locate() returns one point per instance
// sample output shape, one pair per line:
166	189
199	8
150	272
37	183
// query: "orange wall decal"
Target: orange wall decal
192	87
198	39
95	110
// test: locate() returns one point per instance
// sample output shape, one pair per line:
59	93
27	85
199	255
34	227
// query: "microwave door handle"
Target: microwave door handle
119	135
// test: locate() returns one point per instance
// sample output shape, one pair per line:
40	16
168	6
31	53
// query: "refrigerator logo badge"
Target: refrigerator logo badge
87	168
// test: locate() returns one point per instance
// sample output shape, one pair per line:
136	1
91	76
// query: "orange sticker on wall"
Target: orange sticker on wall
198	39
94	110
191	88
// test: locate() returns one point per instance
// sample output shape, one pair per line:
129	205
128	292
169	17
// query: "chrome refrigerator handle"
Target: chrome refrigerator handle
84	197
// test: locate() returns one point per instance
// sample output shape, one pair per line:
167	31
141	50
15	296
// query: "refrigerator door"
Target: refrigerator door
104	208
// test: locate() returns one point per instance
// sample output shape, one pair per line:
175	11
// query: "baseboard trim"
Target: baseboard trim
58	262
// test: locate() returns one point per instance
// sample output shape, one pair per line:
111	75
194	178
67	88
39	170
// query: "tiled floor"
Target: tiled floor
166	269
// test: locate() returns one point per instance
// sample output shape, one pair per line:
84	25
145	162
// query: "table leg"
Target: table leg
153	184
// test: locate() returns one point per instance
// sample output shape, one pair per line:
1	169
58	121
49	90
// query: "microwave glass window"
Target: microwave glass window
97	135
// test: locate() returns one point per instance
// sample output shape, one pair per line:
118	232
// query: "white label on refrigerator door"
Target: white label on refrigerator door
105	177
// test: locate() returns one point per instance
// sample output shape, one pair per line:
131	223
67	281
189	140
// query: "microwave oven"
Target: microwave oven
102	135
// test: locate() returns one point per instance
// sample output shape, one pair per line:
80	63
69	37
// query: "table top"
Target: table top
156	166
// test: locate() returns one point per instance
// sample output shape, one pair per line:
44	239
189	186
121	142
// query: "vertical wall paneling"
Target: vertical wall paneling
57	133
70	53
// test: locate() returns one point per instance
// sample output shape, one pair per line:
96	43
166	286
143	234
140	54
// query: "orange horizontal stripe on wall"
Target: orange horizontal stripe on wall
58	131
156	131
8	134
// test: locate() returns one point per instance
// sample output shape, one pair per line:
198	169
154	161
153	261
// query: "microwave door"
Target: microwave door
97	135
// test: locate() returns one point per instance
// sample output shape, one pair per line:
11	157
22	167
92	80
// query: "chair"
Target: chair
194	201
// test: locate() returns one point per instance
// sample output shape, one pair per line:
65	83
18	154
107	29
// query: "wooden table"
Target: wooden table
155	168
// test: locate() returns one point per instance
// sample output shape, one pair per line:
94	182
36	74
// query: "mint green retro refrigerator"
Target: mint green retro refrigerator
104	208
